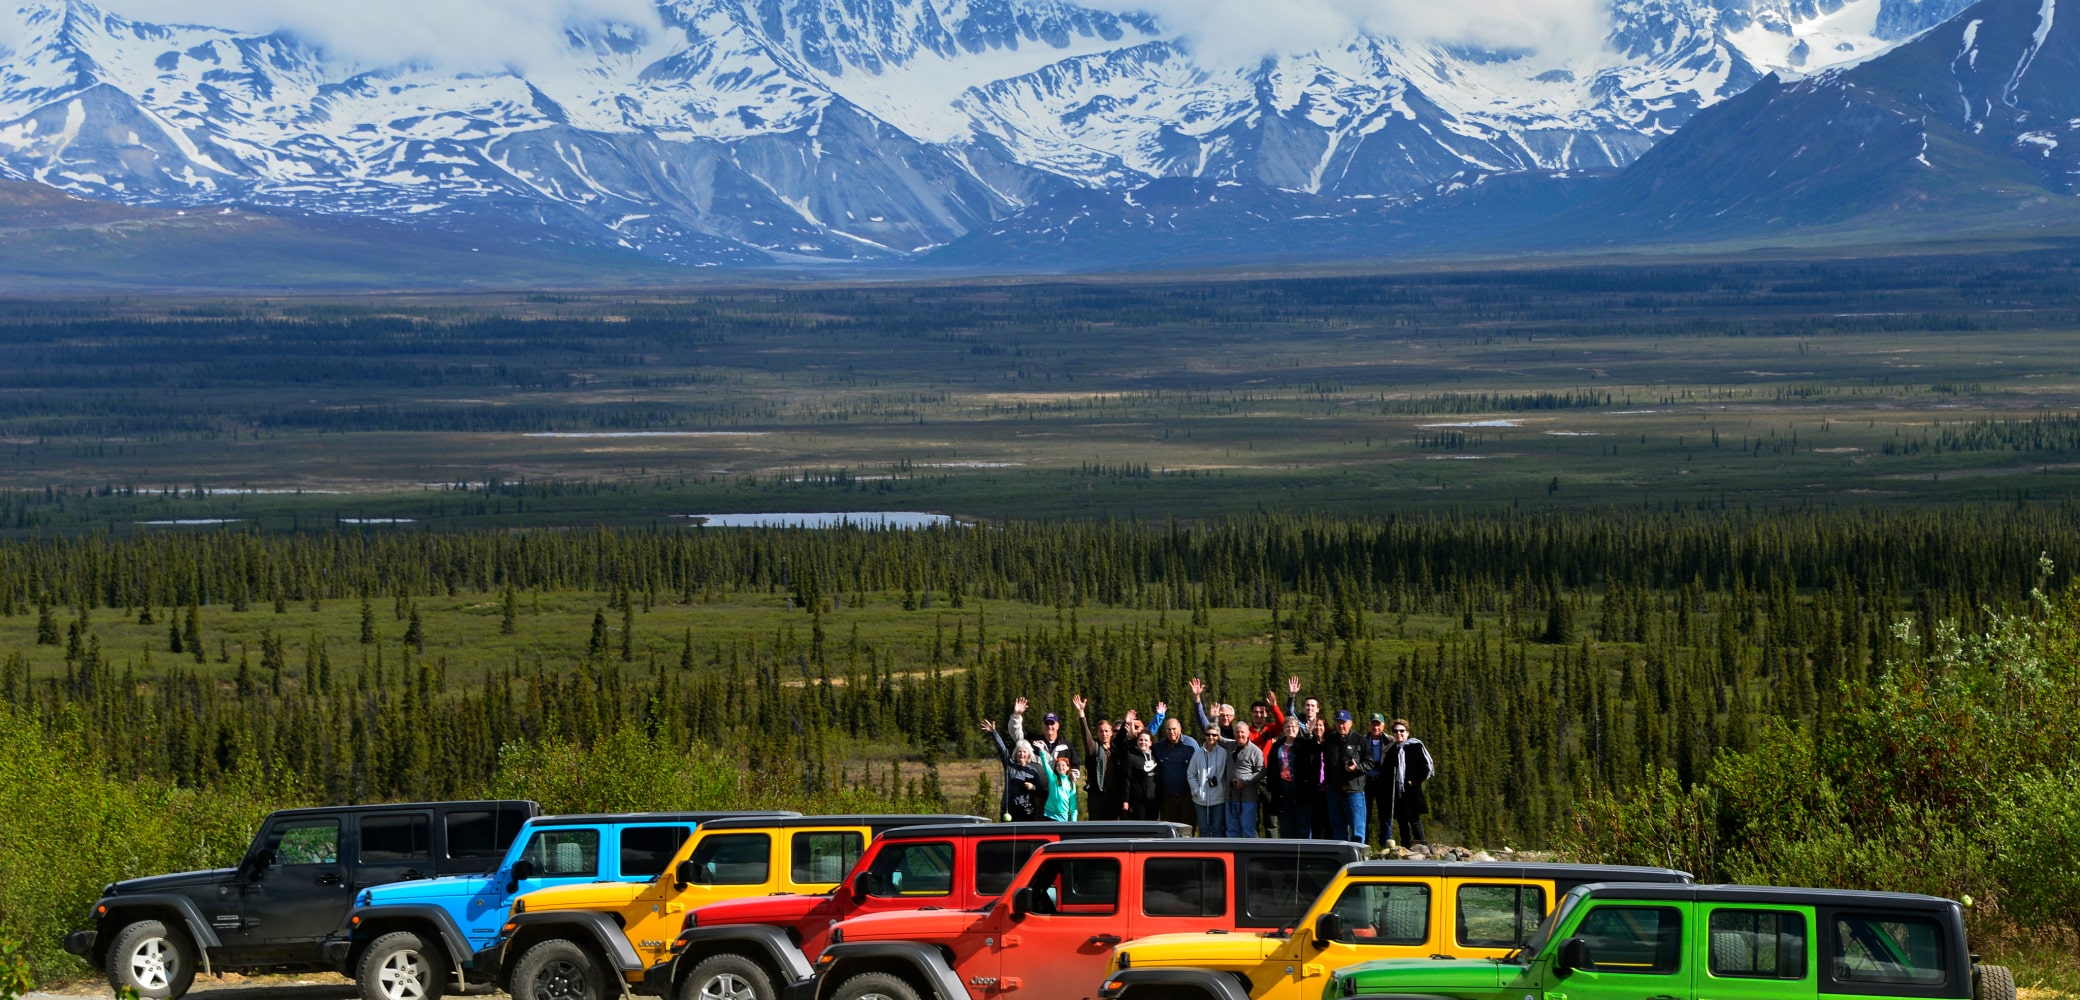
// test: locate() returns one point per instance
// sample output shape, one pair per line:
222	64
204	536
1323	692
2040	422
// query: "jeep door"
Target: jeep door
1369	919
907	875
1634	951
1076	916
393	847
642	852
1755	952
300	898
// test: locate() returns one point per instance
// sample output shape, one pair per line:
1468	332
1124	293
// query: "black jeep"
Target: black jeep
295	883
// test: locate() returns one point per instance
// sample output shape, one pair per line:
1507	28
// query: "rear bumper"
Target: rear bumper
81	943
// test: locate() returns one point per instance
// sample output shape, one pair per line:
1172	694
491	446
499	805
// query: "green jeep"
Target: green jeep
1611	940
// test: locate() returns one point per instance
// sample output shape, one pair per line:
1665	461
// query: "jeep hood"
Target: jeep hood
165	883
445	887
1222	951
783	909
585	896
1429	975
915	925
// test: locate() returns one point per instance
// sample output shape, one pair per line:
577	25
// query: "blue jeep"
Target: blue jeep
413	940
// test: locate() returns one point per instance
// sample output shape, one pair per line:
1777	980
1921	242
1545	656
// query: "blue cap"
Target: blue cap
1051	717
1343	715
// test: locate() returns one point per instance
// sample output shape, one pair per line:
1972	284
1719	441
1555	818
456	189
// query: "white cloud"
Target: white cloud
1249	29
481	35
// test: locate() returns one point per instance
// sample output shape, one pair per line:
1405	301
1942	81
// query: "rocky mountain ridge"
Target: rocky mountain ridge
750	131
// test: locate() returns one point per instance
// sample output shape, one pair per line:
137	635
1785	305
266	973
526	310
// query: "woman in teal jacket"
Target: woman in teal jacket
1061	790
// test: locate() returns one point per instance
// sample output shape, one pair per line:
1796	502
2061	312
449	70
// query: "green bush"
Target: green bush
2040	838
66	829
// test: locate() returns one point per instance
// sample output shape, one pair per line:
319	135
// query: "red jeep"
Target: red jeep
1051	937
752	949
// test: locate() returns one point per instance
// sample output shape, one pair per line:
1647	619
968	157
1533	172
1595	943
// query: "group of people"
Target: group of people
1282	772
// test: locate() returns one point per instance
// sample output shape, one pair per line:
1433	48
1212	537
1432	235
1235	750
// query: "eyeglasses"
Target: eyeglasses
1401	731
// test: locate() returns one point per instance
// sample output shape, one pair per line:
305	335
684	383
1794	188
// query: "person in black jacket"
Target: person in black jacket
1025	788
1137	780
1347	766
1101	753
1412	767
1280	767
1310	817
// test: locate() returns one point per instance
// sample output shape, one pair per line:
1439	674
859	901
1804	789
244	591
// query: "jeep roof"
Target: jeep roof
1782	896
704	818
874	822
1555	871
1114	829
1203	845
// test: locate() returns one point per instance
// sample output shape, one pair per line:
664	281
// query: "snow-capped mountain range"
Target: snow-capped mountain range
749	130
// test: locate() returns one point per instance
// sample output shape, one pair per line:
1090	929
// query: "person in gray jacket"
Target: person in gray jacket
1245	773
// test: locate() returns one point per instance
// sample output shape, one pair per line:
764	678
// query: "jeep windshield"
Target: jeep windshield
1537	941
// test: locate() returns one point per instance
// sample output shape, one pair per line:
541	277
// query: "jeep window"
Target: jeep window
734	859
1072	886
396	837
1277	889
311	841
1184	887
562	853
645	850
996	861
1384	913
1646	940
920	869
1758	944
1499	916
1869	948
474	835
825	856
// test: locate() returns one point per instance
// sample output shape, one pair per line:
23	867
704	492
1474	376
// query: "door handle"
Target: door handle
412	873
1105	939
330	878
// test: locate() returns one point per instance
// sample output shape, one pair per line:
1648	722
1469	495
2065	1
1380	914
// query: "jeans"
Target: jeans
1337	806
1242	819
1299	823
1213	820
1353	815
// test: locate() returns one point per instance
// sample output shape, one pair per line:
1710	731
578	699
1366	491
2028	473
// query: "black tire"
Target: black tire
558	969
400	966
1993	982
155	960
877	986
727	977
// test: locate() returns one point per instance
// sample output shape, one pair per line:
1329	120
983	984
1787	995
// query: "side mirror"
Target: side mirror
1573	954
1327	927
863	885
689	872
1021	903
260	863
522	869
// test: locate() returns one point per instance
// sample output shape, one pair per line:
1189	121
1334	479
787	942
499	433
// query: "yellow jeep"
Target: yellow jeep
564	942
1373	910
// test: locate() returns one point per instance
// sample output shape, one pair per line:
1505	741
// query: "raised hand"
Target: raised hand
1133	715
1162	708
989	725
1293	684
1019	706
1079	701
1198	688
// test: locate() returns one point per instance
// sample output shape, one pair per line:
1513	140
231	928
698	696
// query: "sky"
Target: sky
486	35
465	35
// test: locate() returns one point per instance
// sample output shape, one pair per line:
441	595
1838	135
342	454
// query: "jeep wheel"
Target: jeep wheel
727	977
557	970
399	966
877	986
156	962
1993	982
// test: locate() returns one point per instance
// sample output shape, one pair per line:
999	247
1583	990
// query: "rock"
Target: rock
1483	856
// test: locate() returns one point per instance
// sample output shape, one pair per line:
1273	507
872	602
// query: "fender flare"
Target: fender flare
927	960
764	939
589	925
1215	985
450	932
199	929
